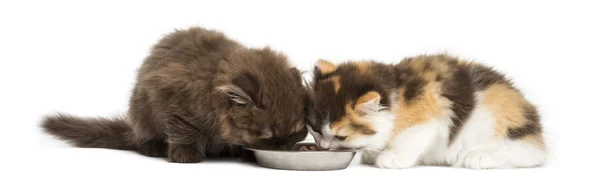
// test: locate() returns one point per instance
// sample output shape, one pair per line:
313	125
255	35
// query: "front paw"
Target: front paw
390	160
153	148
369	157
184	153
480	160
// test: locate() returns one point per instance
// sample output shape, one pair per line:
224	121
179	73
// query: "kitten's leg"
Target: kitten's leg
149	139
507	153
153	148
489	152
513	146
184	142
368	157
405	149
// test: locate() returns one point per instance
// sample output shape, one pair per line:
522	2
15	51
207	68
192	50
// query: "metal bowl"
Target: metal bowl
304	160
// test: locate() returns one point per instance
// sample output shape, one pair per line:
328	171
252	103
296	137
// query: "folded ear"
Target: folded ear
297	74
236	94
325	67
368	103
244	86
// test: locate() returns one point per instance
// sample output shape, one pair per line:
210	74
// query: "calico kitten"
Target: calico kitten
429	110
200	94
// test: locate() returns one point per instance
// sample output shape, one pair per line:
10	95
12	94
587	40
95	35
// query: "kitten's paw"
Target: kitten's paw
183	153
390	160
153	148
480	160
368	157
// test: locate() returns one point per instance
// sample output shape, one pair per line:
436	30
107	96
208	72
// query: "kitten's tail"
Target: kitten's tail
112	133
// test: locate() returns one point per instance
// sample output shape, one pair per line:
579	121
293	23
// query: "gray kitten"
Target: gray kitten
200	94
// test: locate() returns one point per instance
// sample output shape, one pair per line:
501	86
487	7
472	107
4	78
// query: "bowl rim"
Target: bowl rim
284	151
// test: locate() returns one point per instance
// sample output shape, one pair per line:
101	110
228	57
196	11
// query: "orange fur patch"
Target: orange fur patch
506	105
429	106
363	67
336	83
371	95
429	69
343	127
325	66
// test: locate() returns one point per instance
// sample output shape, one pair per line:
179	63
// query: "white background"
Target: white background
81	58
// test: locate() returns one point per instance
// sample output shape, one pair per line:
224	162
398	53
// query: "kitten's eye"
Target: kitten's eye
341	138
239	104
237	100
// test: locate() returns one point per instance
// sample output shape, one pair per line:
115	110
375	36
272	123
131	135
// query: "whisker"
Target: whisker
373	150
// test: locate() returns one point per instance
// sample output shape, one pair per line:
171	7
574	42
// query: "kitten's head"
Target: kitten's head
266	102
350	106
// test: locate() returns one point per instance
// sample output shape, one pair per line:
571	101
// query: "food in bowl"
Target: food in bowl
309	148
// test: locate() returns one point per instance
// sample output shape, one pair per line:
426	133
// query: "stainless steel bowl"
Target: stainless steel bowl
304	160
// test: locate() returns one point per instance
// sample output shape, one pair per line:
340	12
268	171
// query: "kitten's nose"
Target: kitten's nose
325	145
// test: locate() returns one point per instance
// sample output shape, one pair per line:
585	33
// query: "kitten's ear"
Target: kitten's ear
242	88
325	67
296	73
368	103
235	94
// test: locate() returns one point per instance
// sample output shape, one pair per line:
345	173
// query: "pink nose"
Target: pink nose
325	145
